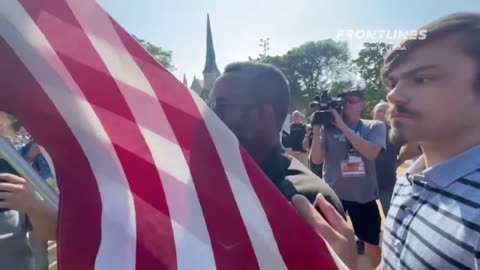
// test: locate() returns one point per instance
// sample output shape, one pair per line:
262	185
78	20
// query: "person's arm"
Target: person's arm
367	148
17	194
317	151
333	228
306	140
305	143
44	222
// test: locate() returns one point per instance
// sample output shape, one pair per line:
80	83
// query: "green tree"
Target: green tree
338	87
162	56
368	65
312	67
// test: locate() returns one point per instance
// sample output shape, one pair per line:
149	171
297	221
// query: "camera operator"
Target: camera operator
348	147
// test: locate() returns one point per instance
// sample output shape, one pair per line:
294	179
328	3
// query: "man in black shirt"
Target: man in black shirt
298	130
252	100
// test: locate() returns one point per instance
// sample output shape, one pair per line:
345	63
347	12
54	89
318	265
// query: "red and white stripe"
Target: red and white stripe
149	177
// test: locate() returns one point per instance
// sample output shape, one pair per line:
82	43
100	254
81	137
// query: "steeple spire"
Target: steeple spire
210	63
185	80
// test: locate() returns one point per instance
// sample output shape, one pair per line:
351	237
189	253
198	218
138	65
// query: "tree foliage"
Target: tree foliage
162	56
312	67
368	65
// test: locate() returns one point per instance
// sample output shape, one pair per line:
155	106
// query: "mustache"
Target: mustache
403	110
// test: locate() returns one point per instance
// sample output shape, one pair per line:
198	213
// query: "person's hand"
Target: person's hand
339	123
334	229
17	194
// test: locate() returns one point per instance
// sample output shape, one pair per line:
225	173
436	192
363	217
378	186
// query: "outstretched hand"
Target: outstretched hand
333	228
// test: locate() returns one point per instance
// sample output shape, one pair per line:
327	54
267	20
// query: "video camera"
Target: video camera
322	105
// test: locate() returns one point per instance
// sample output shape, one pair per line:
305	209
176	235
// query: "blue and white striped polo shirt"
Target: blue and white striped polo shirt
434	218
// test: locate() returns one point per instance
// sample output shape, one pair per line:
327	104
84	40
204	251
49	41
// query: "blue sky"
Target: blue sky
237	26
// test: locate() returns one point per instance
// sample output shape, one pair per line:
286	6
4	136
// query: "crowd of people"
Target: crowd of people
331	171
339	148
433	91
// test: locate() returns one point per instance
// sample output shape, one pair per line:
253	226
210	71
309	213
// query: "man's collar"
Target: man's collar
276	164
447	172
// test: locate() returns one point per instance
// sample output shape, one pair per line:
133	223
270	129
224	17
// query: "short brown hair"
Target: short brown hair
465	24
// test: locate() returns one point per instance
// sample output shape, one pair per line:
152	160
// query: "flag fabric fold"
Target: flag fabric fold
149	177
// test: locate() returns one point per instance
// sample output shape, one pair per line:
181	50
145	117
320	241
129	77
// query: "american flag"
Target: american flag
149	177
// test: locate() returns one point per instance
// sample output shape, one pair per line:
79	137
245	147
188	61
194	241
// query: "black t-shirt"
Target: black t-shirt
386	164
297	134
292	177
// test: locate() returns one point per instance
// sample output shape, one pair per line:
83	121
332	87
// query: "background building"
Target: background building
210	71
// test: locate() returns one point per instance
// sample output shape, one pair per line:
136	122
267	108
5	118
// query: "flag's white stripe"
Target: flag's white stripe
118	243
192	241
251	210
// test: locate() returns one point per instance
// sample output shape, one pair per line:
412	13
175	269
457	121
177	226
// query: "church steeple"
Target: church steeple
185	80
210	63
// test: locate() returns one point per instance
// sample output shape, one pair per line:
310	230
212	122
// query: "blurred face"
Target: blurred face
380	113
297	117
432	94
354	107
241	111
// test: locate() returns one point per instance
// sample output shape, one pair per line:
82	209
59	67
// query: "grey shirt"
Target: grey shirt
361	189
15	251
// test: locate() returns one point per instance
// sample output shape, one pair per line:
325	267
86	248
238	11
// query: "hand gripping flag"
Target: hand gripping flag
149	177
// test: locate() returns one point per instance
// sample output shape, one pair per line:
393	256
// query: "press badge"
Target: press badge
353	167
